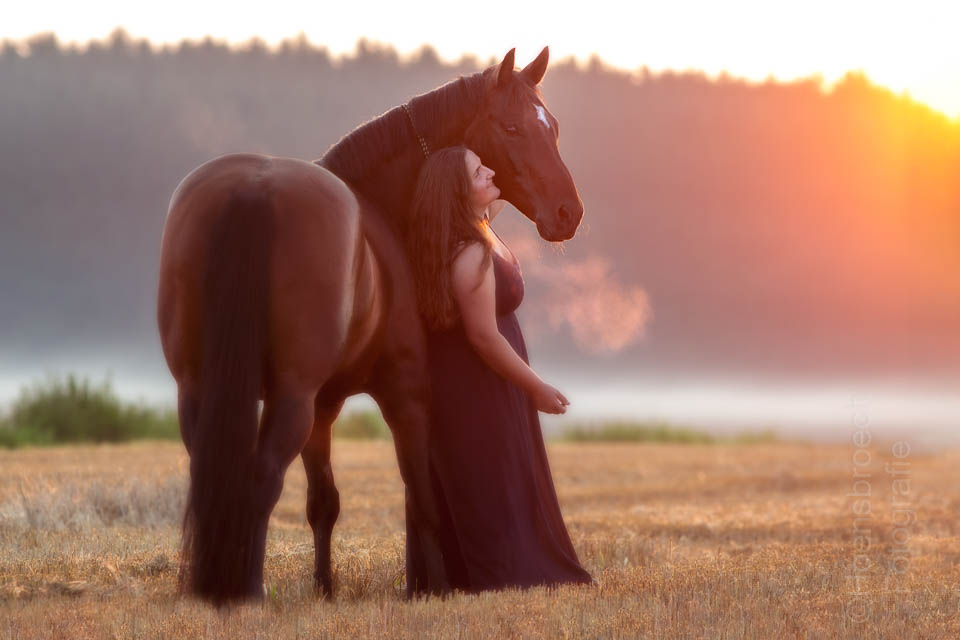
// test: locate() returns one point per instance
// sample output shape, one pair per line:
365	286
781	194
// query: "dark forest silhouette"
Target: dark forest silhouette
774	227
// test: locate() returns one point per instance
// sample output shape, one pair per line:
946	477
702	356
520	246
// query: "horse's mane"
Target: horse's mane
390	134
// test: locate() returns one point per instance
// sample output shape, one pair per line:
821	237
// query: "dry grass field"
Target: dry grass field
685	541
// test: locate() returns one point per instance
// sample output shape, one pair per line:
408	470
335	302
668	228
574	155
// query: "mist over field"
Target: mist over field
742	243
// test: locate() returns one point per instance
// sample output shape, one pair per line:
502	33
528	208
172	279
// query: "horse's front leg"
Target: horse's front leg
323	499
401	388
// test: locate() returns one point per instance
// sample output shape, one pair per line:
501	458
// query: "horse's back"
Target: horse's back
315	234
303	194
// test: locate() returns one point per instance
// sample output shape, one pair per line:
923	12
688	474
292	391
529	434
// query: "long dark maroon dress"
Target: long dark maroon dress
501	522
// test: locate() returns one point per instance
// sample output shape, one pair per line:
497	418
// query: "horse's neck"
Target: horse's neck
391	181
449	128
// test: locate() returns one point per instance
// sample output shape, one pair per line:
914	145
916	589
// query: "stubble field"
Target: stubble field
685	541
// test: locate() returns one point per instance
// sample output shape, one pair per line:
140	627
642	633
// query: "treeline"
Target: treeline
773	227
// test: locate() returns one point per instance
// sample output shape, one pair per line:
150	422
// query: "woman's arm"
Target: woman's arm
475	294
494	208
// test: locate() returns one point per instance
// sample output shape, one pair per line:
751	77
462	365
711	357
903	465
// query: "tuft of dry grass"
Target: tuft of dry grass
80	507
685	541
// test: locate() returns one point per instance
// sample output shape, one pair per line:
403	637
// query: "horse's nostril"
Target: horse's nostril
564	215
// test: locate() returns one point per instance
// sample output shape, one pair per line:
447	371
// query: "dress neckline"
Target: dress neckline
513	258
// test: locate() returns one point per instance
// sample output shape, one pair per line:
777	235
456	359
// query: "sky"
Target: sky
907	47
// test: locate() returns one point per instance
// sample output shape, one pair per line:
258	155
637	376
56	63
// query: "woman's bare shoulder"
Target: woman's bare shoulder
465	269
467	255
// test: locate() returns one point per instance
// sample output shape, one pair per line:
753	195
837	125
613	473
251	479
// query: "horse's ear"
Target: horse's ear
535	70
506	68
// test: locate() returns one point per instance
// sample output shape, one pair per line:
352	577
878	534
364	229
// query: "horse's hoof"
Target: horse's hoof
323	593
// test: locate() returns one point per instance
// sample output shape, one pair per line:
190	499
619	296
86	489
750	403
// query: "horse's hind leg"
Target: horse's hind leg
323	499
284	430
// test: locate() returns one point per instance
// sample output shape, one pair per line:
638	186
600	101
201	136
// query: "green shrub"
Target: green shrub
76	410
635	432
361	425
656	432
754	437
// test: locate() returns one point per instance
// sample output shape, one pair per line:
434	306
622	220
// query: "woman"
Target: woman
500	523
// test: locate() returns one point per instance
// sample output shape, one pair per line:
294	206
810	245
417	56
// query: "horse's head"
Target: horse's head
516	135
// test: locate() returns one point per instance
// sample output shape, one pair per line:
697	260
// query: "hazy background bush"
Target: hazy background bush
658	431
361	425
72	409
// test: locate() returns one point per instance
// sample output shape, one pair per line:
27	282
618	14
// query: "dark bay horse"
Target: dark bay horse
286	281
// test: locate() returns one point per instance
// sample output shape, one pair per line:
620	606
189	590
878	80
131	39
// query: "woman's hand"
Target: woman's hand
548	399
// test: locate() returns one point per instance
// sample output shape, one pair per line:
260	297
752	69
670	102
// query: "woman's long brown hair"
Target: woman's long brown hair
440	219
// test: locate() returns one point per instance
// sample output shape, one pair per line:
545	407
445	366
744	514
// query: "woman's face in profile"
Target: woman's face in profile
482	189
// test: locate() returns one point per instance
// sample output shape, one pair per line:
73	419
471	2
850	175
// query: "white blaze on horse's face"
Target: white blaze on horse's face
542	115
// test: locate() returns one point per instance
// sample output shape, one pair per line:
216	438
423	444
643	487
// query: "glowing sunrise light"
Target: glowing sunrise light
907	47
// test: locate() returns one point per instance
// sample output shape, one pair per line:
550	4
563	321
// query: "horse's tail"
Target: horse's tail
221	559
